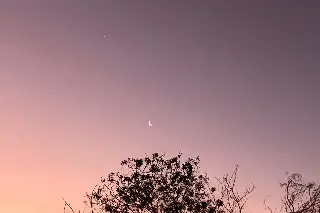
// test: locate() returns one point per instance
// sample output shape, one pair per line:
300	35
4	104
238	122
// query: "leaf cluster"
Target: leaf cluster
154	184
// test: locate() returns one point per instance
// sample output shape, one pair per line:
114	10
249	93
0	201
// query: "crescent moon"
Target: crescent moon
150	123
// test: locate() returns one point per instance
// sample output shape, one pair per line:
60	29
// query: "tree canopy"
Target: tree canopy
154	184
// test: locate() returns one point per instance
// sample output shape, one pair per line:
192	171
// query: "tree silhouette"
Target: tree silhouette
300	197
234	202
154	184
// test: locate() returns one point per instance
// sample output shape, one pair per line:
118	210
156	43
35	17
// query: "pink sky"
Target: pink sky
230	83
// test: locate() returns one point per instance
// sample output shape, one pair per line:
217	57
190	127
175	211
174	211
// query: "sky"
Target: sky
233	83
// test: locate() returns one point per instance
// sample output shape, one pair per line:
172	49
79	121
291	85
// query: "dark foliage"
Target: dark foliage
154	184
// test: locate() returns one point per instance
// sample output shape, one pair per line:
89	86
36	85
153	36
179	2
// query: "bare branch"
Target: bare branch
234	202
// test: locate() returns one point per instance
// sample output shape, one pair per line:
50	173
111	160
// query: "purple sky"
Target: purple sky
235	83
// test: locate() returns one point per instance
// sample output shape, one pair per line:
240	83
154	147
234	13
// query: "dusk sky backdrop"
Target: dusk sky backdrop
235	82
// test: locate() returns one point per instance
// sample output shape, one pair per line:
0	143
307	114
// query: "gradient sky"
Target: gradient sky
235	83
